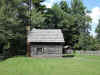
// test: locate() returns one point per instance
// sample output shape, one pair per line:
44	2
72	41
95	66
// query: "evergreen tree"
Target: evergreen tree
98	31
71	19
12	30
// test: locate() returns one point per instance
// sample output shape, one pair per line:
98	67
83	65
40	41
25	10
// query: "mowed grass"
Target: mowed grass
78	65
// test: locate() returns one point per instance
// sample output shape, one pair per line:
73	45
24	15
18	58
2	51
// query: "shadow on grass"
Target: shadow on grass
68	55
5	58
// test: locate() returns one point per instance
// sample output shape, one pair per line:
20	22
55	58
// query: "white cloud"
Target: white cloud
95	15
49	3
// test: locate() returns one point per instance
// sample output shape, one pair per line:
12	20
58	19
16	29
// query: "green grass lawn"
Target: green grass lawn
78	65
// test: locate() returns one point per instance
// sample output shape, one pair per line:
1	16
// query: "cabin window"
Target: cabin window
40	50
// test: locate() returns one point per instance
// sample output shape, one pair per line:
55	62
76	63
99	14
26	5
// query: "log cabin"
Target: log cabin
46	42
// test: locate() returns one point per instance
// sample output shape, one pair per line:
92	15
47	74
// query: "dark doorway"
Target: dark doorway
40	51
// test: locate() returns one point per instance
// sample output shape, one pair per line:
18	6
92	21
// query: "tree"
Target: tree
98	31
65	7
31	15
10	25
98	36
86	43
71	19
37	19
81	21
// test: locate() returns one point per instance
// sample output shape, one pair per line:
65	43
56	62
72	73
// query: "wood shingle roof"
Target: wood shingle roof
45	35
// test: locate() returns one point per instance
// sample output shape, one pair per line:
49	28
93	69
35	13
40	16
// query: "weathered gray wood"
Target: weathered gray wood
54	38
45	35
48	50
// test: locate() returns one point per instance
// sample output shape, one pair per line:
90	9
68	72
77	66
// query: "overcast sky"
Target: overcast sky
92	5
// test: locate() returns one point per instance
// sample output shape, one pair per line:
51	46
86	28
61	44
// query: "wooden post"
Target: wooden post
28	43
28	29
